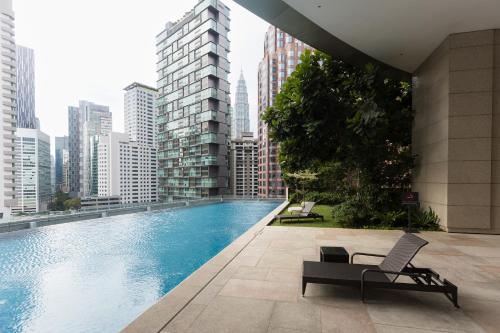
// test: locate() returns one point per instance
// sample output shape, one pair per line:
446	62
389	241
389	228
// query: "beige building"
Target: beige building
243	166
451	51
281	54
7	109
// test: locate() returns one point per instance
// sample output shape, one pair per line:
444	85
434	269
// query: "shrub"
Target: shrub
425	220
350	214
325	198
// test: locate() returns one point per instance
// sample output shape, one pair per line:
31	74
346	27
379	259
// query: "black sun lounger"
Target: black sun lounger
306	213
383	276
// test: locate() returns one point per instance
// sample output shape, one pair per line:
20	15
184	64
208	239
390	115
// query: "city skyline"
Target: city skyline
99	76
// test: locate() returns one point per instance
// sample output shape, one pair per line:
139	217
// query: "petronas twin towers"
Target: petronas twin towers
241	117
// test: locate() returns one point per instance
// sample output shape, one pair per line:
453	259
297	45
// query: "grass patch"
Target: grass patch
325	210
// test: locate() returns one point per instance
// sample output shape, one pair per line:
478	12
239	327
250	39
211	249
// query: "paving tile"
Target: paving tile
305	317
230	314
417	310
280	259
251	273
398	329
485	314
207	294
340	320
184	319
292	276
260	290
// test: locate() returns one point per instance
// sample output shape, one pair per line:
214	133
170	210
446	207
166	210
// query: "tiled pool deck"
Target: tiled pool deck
254	286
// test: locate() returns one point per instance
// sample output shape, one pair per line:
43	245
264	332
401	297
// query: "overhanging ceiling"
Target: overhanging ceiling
398	33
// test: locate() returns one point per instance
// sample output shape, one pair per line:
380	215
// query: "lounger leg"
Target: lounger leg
304	284
362	291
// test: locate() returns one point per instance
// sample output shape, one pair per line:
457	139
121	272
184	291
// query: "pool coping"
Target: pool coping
160	314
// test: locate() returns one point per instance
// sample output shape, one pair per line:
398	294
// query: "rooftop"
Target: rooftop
254	286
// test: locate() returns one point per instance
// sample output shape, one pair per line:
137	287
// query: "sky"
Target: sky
92	49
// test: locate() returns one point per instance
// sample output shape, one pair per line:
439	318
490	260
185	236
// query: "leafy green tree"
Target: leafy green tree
348	122
58	202
74	203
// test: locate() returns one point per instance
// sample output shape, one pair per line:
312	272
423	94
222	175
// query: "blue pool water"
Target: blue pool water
97	276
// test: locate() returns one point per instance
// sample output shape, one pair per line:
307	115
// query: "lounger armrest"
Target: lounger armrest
366	254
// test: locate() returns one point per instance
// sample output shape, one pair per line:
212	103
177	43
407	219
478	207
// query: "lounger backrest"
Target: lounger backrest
401	254
308	206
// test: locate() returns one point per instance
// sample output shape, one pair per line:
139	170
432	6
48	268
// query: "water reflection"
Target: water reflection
96	276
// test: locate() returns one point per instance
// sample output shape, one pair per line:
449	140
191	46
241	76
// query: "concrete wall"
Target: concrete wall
456	100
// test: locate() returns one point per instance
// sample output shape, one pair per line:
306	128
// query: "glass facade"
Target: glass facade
193	104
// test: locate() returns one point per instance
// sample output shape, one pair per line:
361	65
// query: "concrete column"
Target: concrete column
455	132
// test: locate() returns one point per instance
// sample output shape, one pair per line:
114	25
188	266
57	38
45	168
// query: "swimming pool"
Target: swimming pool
98	275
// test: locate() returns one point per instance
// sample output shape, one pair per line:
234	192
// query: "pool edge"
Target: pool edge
160	314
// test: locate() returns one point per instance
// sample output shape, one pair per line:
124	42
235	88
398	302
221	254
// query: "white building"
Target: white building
244	166
7	108
127	162
33	170
140	113
126	169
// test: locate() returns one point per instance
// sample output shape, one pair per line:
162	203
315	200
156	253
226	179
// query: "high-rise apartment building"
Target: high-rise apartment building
7	109
85	124
244	180
74	150
193	103
140	113
33	177
25	61
126	169
240	116
281	54
61	157
127	162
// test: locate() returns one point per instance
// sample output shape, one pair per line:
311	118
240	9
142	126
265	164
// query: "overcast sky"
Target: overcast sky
92	49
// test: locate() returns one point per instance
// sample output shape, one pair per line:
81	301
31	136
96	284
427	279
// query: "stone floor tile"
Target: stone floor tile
305	317
184	319
260	290
230	314
419	310
485	314
400	329
251	273
345	320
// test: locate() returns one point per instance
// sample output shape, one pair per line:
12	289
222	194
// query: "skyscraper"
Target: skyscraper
62	152
140	113
86	123
74	150
7	109
244	180
193	102
127	163
33	179
240	117
281	54
25	87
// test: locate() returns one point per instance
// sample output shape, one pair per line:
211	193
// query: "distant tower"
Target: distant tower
241	117
7	110
25	87
281	54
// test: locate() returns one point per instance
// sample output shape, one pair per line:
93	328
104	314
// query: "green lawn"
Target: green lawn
324	210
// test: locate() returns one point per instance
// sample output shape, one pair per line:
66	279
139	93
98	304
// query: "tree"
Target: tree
346	121
72	204
58	202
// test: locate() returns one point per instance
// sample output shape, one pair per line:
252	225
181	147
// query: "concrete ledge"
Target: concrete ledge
90	215
154	319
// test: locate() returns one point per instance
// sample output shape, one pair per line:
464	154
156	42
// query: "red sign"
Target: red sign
410	198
